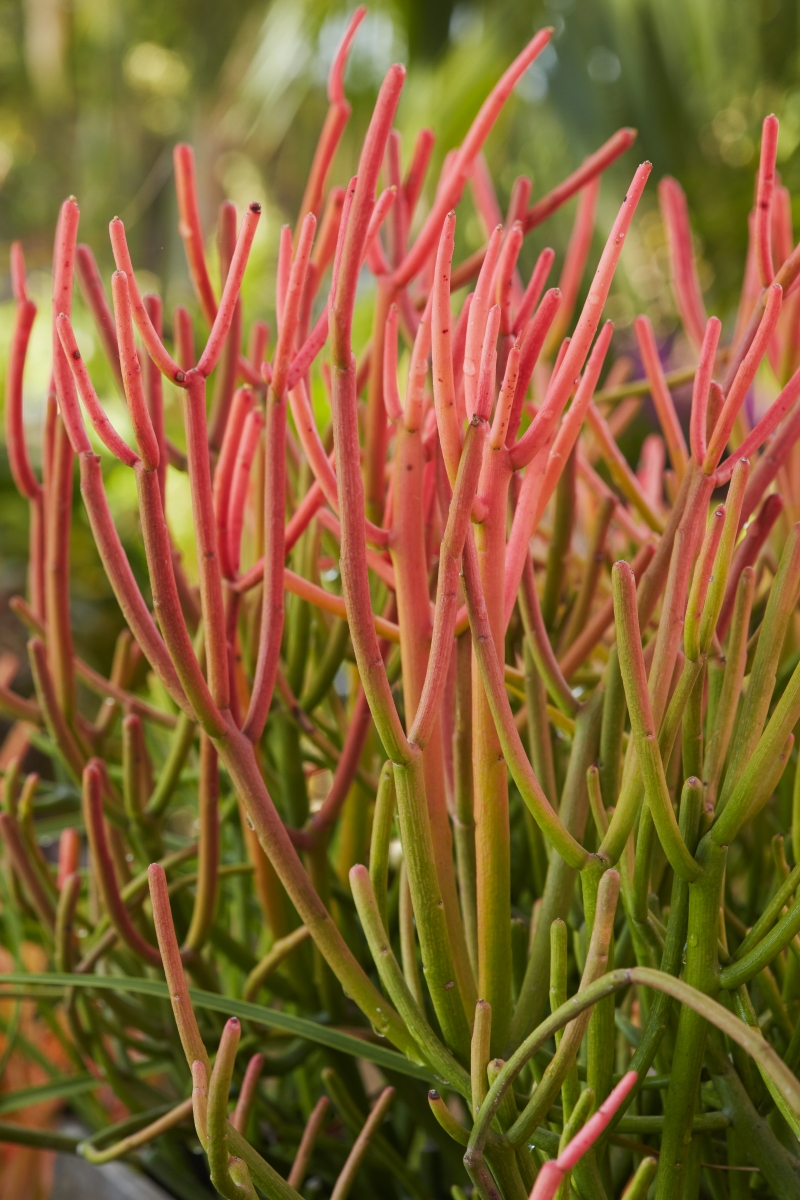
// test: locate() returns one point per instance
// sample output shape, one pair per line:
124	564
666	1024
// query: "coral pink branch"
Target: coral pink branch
69	849
132	374
518	202
210	577
355	231
104	866
662	397
770	462
463	161
417	373
22	473
155	347
102	426
291	306
446	609
308	351
391	392
685	281
116	565
333	127
283	271
505	399
484	396
542	475
533	339
484	195
417	170
251	435
19	284
257	344
191	229
183	337
476	323
345	773
230	293
504	275
335	121
444	388
580	243
154	394
375	255
589	169
347	204
744	377
553	1172
747	552
701	388
95	297
764	193
530	297
565	378
223	476
780	406
167	604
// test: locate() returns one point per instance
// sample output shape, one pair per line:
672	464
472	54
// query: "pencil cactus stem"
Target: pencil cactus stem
391	394
208	848
132	373
347	1175
153	343
701	388
764	194
723	558
382	822
480	1053
685	281
476	322
103	865
191	230
230	1176
185	1020
633	673
662	398
743	379
24	868
565	377
22	473
505	400
533	290
736	658
392	979
701	582
461	167
591	167
305	1149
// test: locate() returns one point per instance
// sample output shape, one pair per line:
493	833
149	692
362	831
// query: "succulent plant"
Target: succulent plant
443	518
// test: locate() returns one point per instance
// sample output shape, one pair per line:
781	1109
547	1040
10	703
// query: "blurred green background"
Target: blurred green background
94	93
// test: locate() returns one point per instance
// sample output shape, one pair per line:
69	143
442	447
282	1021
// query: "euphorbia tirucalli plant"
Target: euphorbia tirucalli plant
466	502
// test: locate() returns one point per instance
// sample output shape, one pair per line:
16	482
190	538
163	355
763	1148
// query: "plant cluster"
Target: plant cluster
602	920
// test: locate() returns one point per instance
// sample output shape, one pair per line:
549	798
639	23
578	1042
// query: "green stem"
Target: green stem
397	989
170	773
755	706
730	693
560	541
564	1058
561	875
701	972
382	821
641	713
464	814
